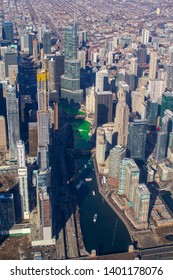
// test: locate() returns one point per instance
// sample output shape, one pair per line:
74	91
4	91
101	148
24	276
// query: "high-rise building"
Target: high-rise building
35	51
115	42
12	120
3	135
39	34
82	35
142	55
167	102
131	80
153	65
168	115
90	100
137	100
161	145
122	177
59	68
20	154
7	31
24	45
82	58
23	179
2	70
170	77
43	118
45	215
145	36
47	42
142	203
122	119
156	88
56	116
102	80
103	111
152	112
70	81
27	77
33	138
52	74
10	58
116	155
7	211
134	66
131	182
137	138
100	146
110	58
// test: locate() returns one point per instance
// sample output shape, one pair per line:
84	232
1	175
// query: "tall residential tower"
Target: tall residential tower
70	81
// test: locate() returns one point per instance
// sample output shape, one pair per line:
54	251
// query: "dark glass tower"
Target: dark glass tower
152	112
167	102
7	31
70	81
47	42
137	139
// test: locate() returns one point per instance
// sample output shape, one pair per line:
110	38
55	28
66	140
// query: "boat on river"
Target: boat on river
93	193
88	179
95	218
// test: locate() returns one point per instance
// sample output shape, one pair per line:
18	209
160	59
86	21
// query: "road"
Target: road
164	252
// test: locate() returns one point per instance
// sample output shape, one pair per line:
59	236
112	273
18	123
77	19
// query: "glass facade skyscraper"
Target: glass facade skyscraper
70	81
47	42
167	102
137	139
7	31
12	120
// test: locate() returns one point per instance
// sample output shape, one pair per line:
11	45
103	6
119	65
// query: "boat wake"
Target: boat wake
79	185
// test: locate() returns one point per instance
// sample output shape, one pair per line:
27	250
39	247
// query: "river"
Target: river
108	234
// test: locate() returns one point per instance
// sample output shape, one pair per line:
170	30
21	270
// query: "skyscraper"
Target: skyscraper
12	120
43	118
70	81
90	100
7	31
116	155
103	111
82	35
137	138
122	119
153	65
20	154
167	102
101	80
3	136
23	180
47	42
142	55
132	181
100	146
33	138
170	77
161	145
10	58
134	66
152	112
122	177
145	36
45	215
142	203
7	211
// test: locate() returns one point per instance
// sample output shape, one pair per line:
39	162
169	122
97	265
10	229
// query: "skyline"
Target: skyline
86	108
